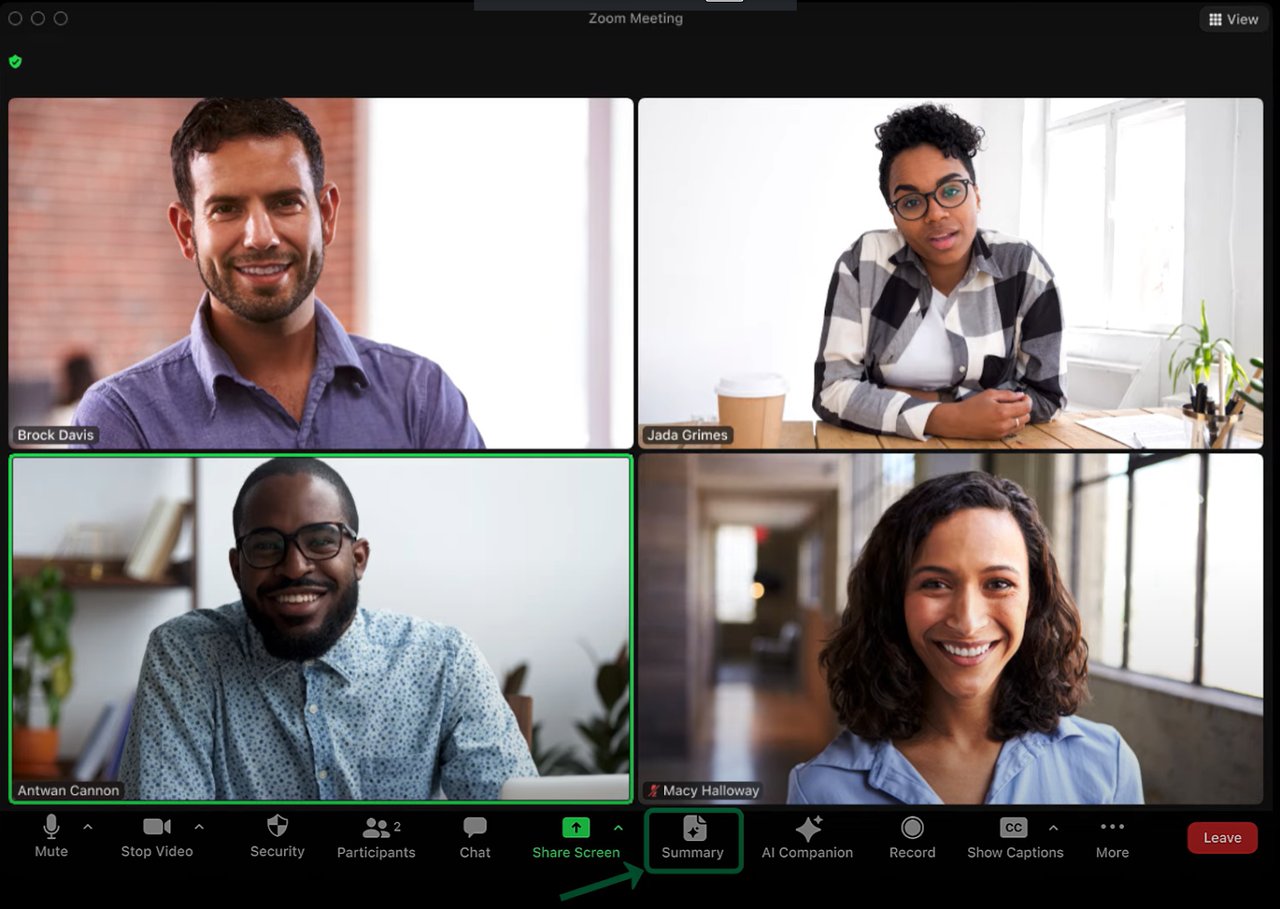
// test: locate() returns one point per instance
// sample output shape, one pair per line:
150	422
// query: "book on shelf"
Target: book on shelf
100	745
112	769
153	551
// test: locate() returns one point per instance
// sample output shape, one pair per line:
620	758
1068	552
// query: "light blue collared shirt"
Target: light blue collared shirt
398	708
1078	763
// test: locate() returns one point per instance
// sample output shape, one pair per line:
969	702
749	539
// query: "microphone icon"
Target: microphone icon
51	826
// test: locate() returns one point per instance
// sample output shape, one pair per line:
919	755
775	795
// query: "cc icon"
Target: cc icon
1013	828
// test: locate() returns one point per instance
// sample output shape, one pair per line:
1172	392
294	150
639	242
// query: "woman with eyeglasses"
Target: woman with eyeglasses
938	327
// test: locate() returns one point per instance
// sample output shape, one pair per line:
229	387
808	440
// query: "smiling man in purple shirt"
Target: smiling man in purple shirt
267	365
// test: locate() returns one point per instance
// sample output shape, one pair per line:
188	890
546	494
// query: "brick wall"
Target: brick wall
93	263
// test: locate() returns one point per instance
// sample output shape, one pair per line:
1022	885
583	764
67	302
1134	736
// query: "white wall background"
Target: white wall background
109	631
745	205
1225	188
528	556
477	256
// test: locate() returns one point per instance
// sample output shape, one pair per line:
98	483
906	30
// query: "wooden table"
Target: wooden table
1062	434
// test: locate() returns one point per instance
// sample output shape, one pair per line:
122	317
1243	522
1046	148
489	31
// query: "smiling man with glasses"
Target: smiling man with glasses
295	692
938	327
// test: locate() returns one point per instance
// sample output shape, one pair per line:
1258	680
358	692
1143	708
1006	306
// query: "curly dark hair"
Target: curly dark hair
927	124
215	120
877	680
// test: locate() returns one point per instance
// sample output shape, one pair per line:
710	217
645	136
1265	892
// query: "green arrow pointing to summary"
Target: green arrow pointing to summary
632	872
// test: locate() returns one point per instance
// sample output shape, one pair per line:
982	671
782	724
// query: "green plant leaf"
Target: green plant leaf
50	640
60	679
37	606
52	701
1224	345
514	680
611	683
62	606
21	681
618	714
590	731
557	760
22	617
1257	362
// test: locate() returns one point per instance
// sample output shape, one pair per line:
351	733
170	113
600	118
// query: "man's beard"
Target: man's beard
264	307
307	646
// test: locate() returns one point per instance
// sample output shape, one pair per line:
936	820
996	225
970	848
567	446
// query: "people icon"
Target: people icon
375	829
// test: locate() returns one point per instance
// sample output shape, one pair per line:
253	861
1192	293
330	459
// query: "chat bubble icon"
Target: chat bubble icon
475	825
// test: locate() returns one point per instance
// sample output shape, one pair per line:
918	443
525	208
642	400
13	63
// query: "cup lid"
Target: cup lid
752	385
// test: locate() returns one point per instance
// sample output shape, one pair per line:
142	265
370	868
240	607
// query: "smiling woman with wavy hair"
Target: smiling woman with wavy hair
959	664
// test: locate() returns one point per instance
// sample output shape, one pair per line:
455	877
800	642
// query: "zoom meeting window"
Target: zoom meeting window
654	447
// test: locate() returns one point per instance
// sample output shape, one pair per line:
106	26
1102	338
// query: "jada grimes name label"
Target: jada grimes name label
687	435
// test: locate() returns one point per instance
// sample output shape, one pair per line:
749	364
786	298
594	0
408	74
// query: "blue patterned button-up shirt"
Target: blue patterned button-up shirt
398	708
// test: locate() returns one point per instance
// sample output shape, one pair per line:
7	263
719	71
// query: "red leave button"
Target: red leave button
1223	838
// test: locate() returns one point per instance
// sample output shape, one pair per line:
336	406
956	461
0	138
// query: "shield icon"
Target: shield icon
277	825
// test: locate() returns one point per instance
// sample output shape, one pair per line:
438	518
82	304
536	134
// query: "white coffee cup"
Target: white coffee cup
752	404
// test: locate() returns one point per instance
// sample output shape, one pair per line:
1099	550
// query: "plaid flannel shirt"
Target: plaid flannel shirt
1003	320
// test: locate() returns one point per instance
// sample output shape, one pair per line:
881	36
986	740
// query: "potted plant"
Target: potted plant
42	658
607	733
1255	384
551	761
1203	352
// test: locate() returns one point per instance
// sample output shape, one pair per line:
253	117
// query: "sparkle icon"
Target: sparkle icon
810	828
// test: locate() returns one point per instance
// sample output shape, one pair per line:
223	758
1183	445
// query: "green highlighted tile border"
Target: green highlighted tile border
620	455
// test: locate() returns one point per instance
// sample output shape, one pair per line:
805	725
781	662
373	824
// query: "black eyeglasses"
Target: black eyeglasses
267	547
912	206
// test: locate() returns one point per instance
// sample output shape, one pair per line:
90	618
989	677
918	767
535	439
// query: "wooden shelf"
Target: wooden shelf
75	573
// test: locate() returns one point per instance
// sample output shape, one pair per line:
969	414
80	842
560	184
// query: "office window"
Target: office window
1233	632
1168	567
736	573
810	569
1162	605
879	480
1114	203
